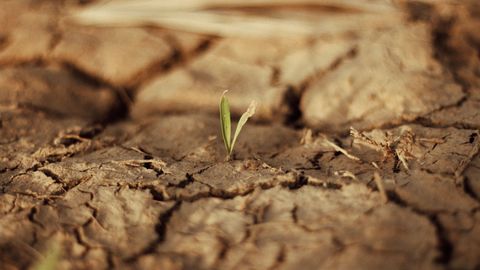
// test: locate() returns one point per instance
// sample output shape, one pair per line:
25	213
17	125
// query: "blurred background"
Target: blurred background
326	64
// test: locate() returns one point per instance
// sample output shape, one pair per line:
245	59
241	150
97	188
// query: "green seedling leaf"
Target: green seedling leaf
51	258
249	113
225	121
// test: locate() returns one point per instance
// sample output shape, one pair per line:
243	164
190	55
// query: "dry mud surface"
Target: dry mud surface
363	153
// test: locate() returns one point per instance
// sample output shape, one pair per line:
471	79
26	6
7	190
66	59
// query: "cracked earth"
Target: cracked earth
363	153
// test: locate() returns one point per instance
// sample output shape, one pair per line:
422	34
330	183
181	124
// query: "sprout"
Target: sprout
50	259
225	123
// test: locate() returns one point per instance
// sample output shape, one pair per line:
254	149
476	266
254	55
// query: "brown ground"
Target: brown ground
143	184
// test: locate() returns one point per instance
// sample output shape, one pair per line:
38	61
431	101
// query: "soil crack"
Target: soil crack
445	246
160	229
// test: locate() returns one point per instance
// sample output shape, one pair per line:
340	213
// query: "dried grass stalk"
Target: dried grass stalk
235	17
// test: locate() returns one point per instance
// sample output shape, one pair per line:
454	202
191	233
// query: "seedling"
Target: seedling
50	259
225	123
